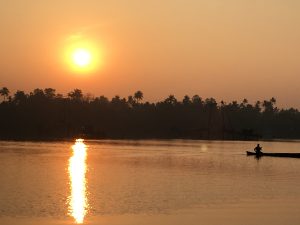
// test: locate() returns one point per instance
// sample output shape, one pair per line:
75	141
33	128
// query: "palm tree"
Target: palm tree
130	101
197	100
257	106
244	103
116	99
211	105
76	95
4	92
50	93
19	97
269	106
138	96
186	100
171	100
103	100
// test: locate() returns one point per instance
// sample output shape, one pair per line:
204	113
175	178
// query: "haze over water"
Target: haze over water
147	182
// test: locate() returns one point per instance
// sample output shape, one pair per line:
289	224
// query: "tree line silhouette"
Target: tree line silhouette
44	114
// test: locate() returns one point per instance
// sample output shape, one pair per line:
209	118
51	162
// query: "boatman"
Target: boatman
258	149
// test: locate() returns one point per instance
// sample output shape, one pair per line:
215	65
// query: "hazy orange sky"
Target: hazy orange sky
227	49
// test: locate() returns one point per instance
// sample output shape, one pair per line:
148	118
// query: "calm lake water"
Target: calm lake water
148	182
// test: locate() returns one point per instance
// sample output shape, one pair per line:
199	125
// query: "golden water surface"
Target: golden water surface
78	204
147	182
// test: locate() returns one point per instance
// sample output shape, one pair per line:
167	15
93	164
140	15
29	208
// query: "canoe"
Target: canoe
291	155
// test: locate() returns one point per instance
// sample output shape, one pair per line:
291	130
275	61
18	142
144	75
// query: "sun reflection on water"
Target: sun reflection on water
78	204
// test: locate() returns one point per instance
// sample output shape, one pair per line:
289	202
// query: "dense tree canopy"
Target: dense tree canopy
45	114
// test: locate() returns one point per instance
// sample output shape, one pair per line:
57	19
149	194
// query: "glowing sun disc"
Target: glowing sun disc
81	57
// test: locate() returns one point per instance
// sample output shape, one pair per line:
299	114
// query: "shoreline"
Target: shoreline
141	139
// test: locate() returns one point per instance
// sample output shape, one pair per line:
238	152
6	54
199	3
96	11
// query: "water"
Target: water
147	182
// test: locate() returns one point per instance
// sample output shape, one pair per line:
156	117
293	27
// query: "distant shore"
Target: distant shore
44	115
135	139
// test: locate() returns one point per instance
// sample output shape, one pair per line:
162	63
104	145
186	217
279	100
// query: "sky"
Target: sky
226	49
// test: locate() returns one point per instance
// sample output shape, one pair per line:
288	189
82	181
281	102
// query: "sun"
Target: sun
82	57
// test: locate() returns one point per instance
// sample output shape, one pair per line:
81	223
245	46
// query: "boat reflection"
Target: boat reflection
78	204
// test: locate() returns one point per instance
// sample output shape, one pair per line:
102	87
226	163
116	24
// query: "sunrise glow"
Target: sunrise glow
82	57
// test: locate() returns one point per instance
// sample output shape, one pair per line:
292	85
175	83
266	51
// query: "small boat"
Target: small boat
291	155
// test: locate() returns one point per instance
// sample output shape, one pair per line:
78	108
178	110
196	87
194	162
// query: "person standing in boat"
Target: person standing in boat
258	149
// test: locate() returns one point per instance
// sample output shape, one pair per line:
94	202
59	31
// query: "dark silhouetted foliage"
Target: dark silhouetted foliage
45	114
